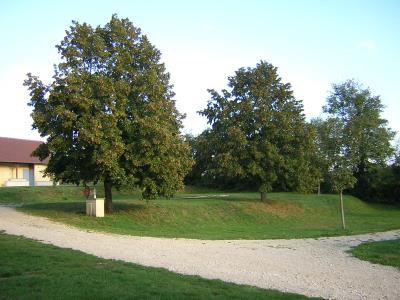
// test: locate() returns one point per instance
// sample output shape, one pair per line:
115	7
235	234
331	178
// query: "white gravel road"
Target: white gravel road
312	267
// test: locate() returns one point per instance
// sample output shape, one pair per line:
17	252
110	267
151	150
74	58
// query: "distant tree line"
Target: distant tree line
259	139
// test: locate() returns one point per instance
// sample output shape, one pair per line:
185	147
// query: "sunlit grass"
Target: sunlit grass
30	270
205	214
383	252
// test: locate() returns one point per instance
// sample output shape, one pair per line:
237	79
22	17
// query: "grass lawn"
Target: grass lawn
205	214
31	270
384	252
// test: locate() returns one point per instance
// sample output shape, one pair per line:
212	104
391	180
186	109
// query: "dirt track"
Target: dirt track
312	267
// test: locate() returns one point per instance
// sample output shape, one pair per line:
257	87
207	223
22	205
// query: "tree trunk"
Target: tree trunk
342	209
319	188
108	195
264	196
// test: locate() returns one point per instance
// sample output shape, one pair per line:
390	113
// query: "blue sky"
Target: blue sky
313	44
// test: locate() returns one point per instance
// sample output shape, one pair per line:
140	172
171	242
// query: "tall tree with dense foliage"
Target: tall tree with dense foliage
108	115
258	132
366	136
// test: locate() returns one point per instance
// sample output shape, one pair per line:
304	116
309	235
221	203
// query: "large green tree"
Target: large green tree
352	139
366	136
109	114
258	132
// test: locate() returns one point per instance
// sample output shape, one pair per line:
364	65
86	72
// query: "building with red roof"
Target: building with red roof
17	165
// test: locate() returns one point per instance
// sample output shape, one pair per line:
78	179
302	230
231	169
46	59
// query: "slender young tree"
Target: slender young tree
335	163
342	178
258	132
109	114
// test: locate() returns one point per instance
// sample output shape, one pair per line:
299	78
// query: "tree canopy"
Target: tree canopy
366	139
258	132
109	114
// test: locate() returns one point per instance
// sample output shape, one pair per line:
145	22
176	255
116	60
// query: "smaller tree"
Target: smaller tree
362	138
335	162
342	178
367	136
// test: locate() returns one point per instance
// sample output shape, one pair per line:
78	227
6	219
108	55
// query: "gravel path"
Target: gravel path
312	267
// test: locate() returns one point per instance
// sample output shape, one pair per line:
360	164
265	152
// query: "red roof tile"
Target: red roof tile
19	151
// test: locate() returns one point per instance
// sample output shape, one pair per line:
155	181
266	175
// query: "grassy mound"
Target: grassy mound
211	215
50	194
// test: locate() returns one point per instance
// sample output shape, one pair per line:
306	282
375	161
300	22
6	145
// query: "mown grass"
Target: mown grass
51	194
205	214
383	252
31	270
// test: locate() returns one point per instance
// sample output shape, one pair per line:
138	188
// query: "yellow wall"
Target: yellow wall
21	170
12	171
38	171
6	172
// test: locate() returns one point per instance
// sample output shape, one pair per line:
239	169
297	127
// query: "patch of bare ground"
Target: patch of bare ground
280	209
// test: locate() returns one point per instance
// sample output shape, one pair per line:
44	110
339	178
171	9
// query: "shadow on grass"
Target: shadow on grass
79	208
